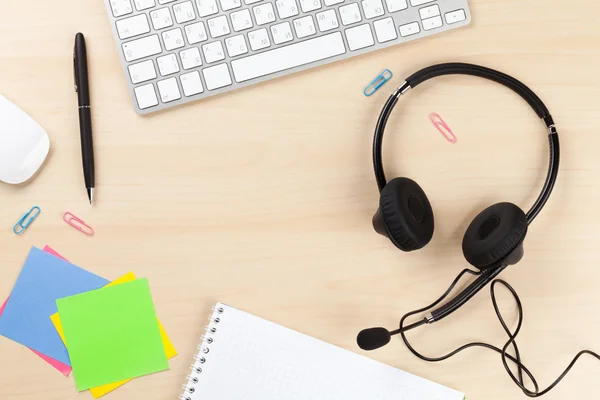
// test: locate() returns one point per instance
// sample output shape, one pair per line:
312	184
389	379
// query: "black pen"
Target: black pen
82	88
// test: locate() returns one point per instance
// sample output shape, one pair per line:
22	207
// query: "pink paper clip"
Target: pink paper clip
78	224
443	127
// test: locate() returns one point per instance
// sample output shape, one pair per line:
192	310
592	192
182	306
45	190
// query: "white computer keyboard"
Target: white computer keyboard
175	51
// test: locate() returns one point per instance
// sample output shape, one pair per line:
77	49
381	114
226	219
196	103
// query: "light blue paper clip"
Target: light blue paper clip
378	82
26	220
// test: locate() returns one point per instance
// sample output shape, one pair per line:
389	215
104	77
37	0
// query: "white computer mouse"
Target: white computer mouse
24	144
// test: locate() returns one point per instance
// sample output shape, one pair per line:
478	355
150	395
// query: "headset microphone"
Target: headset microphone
374	338
492	242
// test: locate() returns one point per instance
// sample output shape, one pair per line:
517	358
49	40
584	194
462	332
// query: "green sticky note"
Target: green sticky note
112	334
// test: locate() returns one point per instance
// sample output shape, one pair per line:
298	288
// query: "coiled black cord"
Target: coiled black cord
516	359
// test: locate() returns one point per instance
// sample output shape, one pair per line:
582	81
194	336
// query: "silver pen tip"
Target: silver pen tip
91	195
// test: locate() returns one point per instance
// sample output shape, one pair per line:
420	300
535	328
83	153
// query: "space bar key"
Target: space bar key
288	57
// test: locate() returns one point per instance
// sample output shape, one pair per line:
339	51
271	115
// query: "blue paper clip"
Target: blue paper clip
378	82
26	220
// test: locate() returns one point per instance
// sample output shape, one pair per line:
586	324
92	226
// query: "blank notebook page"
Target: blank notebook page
243	357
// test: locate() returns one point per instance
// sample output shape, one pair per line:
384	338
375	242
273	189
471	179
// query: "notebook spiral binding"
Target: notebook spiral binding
201	357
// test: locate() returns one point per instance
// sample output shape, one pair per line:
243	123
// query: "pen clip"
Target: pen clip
75	74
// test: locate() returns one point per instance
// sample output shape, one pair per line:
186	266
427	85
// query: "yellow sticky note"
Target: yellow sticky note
102	390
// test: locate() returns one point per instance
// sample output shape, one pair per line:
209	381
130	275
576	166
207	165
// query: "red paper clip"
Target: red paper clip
443	127
78	224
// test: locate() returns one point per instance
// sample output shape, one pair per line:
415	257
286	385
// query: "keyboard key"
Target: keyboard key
310	5
184	12
350	14
428	12
213	52
410	29
385	30
332	2
141	48
144	4
218	26
169	90
146	96
415	3
287	57
396	5
207	7
227	5
327	20
167	65
217	77
161	18
286	8
251	1
196	33
241	20
173	39
236	45
264	14
190	58
282	33
305	26
455	16
432	23
191	83
165	1
142	72
259	39
359	37
372	8
121	7
133	26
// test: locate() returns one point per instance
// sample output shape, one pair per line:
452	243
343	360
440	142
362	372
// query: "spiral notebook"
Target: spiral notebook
243	357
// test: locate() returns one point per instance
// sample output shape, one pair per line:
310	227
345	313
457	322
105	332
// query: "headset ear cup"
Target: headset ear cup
405	215
496	233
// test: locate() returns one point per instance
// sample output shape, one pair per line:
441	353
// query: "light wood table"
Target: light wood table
263	198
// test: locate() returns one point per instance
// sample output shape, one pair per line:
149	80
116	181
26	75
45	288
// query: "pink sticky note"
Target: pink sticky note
3	305
50	250
62	368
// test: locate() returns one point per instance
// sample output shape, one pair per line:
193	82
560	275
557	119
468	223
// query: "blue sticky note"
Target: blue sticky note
43	279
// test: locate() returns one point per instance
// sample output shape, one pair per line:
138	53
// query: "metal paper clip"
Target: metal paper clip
378	82
443	127
26	220
78	223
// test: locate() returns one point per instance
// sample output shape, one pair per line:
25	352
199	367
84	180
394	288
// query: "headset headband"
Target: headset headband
469	69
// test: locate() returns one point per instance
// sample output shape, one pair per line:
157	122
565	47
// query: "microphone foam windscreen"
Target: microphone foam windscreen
373	338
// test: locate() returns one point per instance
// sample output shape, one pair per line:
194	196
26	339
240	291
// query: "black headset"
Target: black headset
493	241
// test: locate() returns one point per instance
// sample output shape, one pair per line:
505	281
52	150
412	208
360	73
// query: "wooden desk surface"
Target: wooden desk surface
263	198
